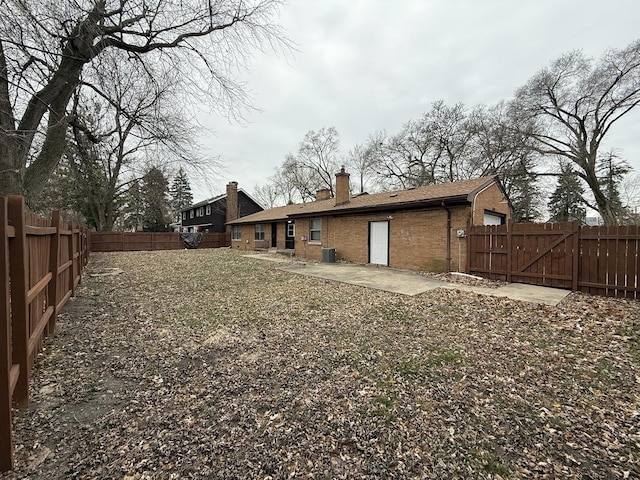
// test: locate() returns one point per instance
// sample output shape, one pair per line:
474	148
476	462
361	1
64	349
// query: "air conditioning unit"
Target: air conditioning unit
329	255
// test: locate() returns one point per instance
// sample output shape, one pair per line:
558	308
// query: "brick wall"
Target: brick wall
305	248
417	238
491	199
247	238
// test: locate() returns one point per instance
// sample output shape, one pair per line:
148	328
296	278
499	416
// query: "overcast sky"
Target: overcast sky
368	65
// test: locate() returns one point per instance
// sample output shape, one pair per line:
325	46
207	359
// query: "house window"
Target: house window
208	209
236	232
191	213
260	231
184	215
200	212
291	230
493	218
315	230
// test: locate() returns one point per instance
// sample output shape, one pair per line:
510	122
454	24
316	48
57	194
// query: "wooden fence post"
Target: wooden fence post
509	252
78	240
6	438
87	233
54	265
72	252
87	245
19	266
83	247
575	274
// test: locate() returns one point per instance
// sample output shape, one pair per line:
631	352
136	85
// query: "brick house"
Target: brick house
421	228
211	215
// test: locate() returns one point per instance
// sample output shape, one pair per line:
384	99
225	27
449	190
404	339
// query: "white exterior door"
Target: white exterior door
379	243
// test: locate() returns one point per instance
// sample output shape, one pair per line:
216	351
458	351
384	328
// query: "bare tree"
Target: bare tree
297	181
45	47
630	196
451	138
267	195
123	121
318	157
575	102
433	149
285	185
497	148
361	165
630	192
389	164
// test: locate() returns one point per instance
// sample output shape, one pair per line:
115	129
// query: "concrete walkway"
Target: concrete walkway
407	282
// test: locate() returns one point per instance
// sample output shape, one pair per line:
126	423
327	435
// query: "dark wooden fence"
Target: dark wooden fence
41	264
126	241
598	260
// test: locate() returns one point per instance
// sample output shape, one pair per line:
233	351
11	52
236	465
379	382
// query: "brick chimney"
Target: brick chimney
233	209
323	194
342	187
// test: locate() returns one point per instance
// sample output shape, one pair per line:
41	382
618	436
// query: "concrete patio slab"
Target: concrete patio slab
381	278
269	258
519	291
407	282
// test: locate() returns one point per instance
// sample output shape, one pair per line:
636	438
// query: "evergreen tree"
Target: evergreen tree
60	192
154	190
180	193
611	171
524	193
567	200
133	210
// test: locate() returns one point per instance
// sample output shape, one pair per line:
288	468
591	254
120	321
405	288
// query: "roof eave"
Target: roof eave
490	180
246	220
433	202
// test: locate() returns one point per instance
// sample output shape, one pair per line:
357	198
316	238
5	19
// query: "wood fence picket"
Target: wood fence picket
41	264
597	260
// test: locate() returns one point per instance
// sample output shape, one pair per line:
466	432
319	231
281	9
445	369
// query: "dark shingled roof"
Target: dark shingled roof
461	192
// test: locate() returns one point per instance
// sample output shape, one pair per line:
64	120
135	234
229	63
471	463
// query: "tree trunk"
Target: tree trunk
602	202
10	178
16	142
10	157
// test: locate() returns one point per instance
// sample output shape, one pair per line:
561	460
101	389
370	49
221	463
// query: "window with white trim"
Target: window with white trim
315	230
191	213
200	212
259	231
208	210
184	215
493	218
236	232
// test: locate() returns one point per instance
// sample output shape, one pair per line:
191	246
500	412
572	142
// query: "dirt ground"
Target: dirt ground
206	364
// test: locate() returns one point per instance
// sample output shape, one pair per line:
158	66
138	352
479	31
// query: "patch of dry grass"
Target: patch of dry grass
206	364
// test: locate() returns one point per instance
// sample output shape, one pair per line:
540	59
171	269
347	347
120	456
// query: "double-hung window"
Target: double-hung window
315	230
259	231
236	232
208	210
